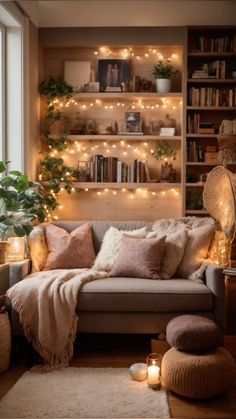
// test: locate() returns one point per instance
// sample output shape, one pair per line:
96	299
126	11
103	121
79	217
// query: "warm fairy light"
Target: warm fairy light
114	192
163	193
106	189
60	207
123	190
95	53
99	193
72	189
131	196
86	189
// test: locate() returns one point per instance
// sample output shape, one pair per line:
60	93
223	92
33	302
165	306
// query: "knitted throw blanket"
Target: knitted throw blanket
46	303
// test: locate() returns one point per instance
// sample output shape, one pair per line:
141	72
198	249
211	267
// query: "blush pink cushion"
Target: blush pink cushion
69	250
140	258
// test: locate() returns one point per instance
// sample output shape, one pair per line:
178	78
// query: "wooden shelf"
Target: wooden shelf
212	108
211	54
200	163
120	137
201	135
195	185
190	212
214	81
126	185
125	95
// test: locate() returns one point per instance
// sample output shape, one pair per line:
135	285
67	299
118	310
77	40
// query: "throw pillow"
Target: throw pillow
111	246
175	245
139	258
172	225
38	250
69	250
199	240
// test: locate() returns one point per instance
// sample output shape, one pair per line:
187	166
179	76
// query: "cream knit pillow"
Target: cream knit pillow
38	250
174	249
111	246
199	240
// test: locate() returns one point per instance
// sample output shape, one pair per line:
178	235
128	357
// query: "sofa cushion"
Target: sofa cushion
69	250
193	333
174	249
138	294
139	257
38	249
196	251
111	245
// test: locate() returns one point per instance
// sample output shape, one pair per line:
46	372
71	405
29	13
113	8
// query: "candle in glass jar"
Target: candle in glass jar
153	375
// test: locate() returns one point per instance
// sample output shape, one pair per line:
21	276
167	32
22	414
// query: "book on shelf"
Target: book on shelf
217	44
111	169
194	152
212	96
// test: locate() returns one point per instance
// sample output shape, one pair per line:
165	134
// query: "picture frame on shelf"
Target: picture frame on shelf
132	123
112	73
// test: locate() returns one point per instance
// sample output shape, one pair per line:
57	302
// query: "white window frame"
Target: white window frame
2	93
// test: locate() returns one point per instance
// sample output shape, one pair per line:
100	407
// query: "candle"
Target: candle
153	375
138	371
154	371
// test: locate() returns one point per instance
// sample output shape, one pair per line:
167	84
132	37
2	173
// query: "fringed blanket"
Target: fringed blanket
46	303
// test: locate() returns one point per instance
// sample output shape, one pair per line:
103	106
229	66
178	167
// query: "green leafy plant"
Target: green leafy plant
54	172
22	202
163	150
164	70
53	88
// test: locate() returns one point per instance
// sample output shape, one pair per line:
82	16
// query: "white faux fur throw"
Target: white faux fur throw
46	303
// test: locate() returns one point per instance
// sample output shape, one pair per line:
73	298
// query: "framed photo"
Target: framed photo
111	73
132	122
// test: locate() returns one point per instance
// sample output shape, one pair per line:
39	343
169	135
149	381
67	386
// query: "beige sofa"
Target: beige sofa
136	305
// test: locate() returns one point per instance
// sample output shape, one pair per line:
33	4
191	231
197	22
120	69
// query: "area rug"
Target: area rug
83	393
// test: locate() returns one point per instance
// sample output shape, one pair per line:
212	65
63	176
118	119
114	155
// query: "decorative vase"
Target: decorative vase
3	251
163	85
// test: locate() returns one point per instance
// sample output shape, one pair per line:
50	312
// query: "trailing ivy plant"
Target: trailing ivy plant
54	172
22	202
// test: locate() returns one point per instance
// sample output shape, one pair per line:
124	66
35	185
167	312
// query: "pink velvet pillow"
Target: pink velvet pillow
138	257
69	250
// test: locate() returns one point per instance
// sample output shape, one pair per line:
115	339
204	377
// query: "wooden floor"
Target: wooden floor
122	351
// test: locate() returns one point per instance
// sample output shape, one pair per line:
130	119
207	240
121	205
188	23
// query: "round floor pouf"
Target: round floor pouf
198	376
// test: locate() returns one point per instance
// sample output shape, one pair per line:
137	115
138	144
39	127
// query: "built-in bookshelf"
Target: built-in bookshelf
123	179
210	98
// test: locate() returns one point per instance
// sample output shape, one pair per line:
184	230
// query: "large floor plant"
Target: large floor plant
22	203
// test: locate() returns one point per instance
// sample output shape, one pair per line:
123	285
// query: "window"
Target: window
2	93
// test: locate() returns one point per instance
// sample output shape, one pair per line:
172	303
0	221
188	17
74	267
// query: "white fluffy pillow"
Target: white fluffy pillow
196	252
111	246
37	248
175	245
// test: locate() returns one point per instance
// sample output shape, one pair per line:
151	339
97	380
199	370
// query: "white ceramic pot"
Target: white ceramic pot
163	85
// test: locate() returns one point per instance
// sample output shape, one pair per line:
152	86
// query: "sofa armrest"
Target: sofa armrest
216	283
18	270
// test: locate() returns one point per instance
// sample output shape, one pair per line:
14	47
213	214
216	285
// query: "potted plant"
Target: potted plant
164	151
163	72
21	202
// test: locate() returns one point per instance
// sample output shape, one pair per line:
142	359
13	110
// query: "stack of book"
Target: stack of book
211	154
110	169
215	70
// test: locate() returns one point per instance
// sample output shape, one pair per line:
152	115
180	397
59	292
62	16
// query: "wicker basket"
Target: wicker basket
5	339
3	251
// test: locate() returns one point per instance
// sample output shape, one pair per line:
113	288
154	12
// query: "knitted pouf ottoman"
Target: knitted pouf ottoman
196	375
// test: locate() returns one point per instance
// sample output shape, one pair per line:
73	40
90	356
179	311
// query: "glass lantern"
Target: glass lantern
16	250
154	371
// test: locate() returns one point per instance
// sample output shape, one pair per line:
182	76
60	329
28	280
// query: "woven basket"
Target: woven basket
5	340
3	251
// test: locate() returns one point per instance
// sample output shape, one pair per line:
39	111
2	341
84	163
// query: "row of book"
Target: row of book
211	96
215	70
217	44
195	126
196	152
111	169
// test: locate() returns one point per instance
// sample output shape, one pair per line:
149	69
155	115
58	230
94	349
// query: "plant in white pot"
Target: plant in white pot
163	72
21	203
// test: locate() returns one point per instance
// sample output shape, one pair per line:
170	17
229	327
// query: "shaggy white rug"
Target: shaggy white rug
83	393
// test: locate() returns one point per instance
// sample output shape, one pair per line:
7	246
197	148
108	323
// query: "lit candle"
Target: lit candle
153	375
154	371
